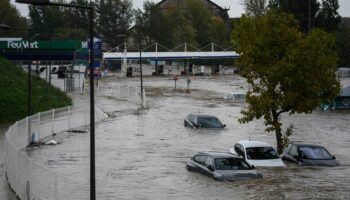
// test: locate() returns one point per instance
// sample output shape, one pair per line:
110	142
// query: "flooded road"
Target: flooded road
142	154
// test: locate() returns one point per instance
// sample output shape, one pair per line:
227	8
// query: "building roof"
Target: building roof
171	55
216	5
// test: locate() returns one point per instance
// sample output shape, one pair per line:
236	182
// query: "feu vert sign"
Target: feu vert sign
22	44
61	45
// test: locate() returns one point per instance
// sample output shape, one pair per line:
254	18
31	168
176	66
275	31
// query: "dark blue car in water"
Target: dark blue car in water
200	120
308	155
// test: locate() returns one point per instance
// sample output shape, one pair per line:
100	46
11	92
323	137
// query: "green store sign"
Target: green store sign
44	44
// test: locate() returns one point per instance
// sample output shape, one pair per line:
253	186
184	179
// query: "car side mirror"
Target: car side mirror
224	125
333	157
200	125
210	167
253	167
295	157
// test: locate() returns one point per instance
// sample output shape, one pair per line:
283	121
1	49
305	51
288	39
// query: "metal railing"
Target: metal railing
30	180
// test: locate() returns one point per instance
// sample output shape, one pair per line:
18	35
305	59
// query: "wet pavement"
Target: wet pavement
141	154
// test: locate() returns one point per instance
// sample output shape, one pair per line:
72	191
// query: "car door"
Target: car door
292	155
199	163
209	166
190	120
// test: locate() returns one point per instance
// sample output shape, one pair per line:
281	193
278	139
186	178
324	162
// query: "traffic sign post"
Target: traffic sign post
188	84
175	79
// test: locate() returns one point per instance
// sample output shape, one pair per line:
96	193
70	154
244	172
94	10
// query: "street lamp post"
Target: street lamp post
140	60
92	96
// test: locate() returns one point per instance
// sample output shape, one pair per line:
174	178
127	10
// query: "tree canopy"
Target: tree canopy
175	26
255	7
328	18
288	70
114	18
10	16
310	14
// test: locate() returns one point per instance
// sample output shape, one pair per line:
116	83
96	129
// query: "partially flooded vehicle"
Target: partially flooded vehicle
235	96
309	155
200	120
222	166
257	153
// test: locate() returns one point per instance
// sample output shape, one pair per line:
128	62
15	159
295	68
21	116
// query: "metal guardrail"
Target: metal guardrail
30	180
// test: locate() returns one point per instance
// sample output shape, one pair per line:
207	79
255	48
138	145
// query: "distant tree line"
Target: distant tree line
194	25
114	18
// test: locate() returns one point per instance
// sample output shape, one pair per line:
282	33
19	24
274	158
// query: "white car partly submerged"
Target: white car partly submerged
259	154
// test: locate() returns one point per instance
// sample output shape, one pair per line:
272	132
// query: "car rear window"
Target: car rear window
209	122
261	153
230	164
316	153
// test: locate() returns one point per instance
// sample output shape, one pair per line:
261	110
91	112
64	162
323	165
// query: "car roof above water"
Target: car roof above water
201	115
250	143
219	154
301	144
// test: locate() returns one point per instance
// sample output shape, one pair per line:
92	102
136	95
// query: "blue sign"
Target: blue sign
97	45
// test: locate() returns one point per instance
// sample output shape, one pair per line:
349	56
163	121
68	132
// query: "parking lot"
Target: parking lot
141	154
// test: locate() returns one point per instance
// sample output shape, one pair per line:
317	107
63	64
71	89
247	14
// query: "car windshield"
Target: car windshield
230	164
315	153
209	122
261	153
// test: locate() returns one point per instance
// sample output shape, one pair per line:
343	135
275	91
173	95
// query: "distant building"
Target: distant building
214	9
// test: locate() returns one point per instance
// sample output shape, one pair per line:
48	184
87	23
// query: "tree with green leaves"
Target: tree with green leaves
9	15
328	18
155	26
181	29
288	71
45	20
114	18
190	22
305	11
56	22
343	46
218	32
255	7
200	18
76	22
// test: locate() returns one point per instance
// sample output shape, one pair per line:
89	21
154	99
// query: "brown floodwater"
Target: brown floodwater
142	154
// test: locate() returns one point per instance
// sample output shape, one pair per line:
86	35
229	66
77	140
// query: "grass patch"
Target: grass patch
14	93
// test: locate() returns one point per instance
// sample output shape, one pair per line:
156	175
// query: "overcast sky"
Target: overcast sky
235	7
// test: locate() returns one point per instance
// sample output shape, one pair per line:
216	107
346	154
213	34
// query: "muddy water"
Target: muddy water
141	155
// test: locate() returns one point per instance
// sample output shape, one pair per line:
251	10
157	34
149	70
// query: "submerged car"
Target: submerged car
309	155
222	166
200	120
235	96
259	154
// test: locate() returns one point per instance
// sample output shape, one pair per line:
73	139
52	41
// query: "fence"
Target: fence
33	181
122	91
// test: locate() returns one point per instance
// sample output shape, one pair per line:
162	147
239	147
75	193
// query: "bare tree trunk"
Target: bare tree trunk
278	131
